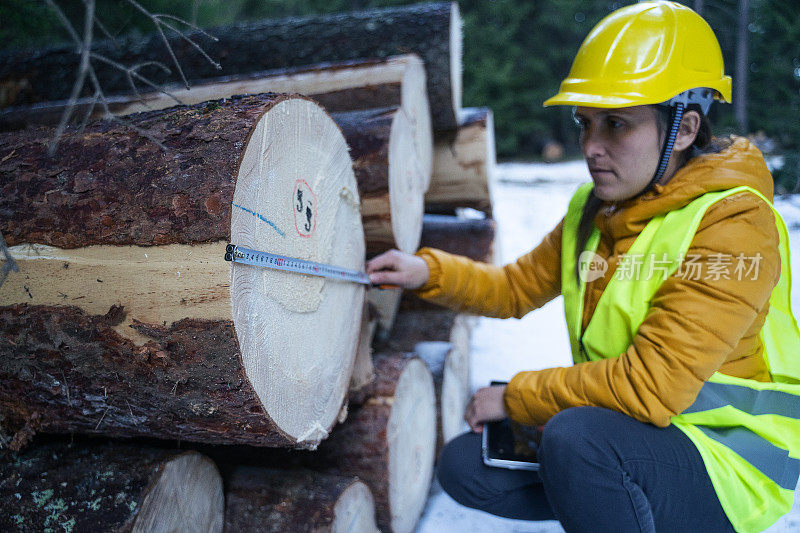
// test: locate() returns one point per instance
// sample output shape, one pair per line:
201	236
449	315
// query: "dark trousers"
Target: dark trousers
601	471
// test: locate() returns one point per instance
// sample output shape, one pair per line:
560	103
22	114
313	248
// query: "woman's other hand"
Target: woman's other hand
398	268
486	405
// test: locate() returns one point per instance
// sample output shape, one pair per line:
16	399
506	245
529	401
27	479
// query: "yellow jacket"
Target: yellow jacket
695	326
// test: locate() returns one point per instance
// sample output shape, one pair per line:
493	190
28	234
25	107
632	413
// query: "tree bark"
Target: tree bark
268	500
412	326
463	165
111	487
124	318
390	180
433	31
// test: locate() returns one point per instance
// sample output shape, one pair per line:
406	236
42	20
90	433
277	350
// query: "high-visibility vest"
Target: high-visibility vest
747	432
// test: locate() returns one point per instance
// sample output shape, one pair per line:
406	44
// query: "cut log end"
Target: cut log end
296	344
411	433
456	52
389	177
355	510
415	102
407	183
188	487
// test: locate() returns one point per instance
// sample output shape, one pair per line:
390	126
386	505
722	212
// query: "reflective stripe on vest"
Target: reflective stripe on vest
747	432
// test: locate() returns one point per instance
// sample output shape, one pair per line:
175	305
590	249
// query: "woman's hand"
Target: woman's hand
486	405
398	268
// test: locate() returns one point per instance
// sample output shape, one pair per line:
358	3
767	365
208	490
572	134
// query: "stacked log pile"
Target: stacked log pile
125	321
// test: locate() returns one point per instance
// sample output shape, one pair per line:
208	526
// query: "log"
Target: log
463	165
470	237
390	181
275	500
109	487
433	31
449	366
124	318
381	308
343	86
387	441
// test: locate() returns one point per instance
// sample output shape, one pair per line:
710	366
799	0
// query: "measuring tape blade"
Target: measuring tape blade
246	256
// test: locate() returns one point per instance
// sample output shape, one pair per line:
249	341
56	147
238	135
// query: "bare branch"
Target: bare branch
172	55
156	19
194	44
187	23
81	78
104	31
64	21
88	114
86	68
131	72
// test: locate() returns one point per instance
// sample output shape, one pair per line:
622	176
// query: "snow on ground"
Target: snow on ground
529	200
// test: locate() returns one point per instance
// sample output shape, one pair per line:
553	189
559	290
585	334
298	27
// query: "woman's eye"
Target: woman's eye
580	122
614	124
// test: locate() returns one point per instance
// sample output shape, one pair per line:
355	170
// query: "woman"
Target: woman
681	412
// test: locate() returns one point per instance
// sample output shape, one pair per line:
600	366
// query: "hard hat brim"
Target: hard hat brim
604	97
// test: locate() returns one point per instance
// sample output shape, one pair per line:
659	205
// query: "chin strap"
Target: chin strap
702	96
676	114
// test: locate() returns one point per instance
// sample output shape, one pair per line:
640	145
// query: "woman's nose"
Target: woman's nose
592	144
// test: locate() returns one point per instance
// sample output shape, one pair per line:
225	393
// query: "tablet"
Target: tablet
507	444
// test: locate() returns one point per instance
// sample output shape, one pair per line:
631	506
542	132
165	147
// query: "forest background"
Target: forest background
515	54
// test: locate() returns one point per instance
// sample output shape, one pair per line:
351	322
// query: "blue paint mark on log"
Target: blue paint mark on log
262	218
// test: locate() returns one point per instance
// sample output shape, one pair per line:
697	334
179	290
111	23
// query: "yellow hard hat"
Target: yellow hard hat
645	53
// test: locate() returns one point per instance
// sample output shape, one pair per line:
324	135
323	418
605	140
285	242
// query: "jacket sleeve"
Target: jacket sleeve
513	290
693	325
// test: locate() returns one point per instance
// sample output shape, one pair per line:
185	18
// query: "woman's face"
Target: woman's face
621	147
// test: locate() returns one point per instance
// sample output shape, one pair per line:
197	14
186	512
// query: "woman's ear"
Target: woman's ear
687	131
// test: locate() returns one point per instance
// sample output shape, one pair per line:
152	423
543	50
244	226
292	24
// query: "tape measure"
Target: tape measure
246	256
